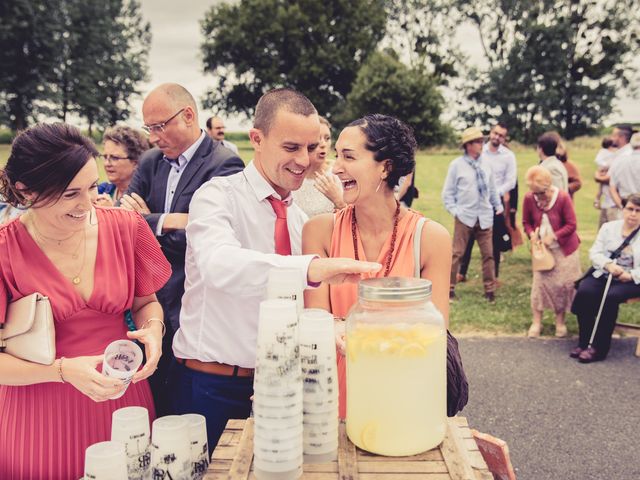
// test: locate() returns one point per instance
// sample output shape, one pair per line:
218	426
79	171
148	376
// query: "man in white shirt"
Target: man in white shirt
161	189
503	165
547	145
215	129
625	174
232	235
620	136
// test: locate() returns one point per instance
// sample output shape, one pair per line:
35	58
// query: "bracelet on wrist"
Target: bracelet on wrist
154	319
60	369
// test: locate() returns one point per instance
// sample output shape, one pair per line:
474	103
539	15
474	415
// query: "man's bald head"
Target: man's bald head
173	95
170	113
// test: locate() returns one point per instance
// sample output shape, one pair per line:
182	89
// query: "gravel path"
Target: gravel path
561	419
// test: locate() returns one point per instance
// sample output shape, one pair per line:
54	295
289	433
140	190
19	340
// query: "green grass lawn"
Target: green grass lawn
511	313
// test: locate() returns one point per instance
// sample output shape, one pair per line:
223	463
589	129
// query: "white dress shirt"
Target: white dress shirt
624	174
503	165
230	245
607	201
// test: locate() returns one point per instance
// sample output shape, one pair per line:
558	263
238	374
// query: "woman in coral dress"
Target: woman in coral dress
373	153
93	264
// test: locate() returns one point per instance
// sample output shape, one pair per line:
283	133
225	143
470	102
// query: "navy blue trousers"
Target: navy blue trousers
587	302
219	398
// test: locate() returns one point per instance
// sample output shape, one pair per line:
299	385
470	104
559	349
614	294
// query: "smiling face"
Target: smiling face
118	167
71	211
359	173
282	155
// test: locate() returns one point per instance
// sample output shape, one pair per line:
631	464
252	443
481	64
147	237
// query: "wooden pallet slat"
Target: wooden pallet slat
457	458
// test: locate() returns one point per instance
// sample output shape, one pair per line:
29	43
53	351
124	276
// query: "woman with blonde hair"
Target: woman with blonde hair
321	190
548	212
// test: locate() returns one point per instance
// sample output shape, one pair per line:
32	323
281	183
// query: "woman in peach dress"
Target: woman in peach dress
372	154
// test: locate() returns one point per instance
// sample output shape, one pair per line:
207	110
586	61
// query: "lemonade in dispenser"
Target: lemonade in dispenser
396	368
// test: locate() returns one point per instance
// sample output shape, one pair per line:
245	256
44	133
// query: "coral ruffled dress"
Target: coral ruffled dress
45	428
344	296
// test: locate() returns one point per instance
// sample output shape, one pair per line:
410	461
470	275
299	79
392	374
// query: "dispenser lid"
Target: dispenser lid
394	289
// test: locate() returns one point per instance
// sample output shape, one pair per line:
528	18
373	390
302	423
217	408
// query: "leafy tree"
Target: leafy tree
553	63
385	85
316	47
104	58
30	38
422	33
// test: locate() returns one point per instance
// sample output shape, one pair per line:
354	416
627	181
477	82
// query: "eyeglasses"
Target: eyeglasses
541	193
159	127
111	158
631	209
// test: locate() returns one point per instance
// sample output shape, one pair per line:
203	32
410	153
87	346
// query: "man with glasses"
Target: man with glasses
470	195
503	165
185	157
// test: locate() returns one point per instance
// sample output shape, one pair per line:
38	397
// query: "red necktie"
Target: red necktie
281	234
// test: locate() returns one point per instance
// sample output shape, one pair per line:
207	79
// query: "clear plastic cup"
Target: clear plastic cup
318	448
286	284
130	426
278	435
171	448
105	461
199	446
122	358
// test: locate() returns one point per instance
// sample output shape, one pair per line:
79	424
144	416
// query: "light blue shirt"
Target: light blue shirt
177	167
461	196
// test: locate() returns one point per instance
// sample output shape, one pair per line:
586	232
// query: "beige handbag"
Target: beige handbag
541	258
28	331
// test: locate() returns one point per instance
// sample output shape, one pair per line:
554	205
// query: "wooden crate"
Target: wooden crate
457	458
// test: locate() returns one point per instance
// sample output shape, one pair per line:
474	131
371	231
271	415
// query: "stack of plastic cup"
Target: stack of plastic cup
277	401
286	284
320	395
105	461
171	448
130	426
199	448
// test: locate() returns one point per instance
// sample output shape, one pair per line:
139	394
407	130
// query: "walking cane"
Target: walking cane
604	299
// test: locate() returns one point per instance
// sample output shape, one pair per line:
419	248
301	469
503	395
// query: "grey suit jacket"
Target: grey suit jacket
149	181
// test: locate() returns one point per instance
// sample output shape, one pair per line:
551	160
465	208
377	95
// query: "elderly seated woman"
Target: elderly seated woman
625	284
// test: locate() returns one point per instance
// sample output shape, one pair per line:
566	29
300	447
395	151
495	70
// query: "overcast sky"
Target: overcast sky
175	54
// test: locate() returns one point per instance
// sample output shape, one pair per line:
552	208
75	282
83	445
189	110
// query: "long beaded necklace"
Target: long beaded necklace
394	233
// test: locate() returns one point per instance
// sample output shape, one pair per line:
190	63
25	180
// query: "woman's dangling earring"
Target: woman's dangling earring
380	183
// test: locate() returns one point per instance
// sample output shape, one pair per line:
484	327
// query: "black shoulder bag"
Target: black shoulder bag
615	254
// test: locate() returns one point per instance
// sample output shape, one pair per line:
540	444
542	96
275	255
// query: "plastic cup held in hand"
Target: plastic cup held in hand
122	359
286	284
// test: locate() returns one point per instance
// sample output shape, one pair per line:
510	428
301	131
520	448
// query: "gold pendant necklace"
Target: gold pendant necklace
76	280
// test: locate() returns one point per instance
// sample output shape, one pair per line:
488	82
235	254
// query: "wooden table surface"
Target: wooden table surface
457	458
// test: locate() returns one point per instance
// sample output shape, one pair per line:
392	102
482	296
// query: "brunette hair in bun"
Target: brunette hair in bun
389	139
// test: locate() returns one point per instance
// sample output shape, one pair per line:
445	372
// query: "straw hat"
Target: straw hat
471	134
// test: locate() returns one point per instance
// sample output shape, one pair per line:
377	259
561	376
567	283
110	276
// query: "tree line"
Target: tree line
546	64
59	57
550	64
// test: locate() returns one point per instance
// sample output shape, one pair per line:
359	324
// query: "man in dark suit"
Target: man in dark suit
161	190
